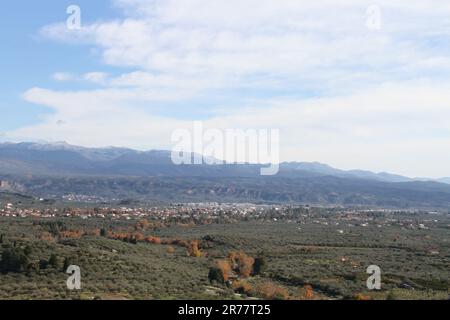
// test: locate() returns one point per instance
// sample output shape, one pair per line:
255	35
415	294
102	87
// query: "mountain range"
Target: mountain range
55	170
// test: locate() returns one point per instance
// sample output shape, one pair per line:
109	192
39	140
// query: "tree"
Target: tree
153	240
139	236
66	264
47	236
14	260
143	224
306	293
43	264
216	274
27	250
245	266
241	263
260	265
225	268
193	249
53	261
94	232
71	234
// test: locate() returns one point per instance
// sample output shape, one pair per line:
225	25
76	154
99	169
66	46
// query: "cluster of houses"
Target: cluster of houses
198	212
206	213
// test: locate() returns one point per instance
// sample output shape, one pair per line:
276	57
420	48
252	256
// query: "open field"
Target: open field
310	257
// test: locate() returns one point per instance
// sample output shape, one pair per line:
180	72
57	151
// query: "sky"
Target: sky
355	84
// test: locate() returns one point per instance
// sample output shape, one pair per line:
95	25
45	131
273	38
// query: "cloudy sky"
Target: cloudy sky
351	83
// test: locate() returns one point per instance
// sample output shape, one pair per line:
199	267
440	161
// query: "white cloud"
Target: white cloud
63	76
376	129
92	77
378	99
96	77
296	42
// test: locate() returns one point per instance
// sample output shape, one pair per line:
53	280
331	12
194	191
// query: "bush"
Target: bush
103	232
225	268
271	291
306	293
170	250
216	274
260	265
67	262
242	287
53	261
361	297
193	249
14	260
242	263
43	264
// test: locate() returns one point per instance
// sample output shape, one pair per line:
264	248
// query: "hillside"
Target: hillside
56	171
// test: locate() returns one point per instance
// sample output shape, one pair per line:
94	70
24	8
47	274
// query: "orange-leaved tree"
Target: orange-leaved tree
241	263
224	266
306	293
193	249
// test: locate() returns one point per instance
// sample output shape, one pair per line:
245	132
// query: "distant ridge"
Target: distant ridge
63	158
444	180
57	170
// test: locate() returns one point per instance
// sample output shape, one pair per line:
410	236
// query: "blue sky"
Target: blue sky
353	85
27	60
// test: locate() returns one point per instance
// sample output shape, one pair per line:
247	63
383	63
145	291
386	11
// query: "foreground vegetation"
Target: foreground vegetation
139	259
